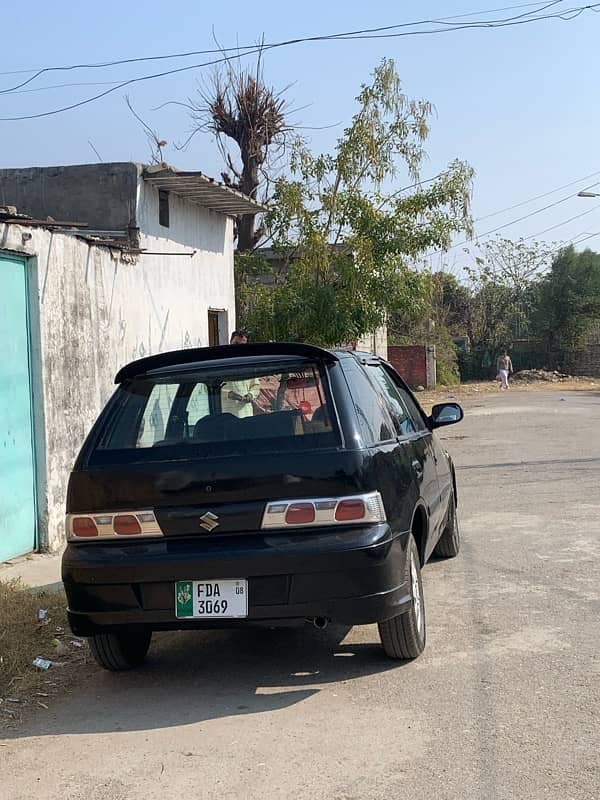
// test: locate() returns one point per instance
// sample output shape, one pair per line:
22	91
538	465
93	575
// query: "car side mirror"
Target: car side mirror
445	414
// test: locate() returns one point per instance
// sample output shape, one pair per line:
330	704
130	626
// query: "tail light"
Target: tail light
84	528
112	526
365	508
300	514
127	525
350	510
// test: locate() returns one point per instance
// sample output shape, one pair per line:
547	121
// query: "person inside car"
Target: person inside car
238	397
239	337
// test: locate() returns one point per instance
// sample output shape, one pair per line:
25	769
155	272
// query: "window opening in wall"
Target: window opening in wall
218	332
213	328
163	208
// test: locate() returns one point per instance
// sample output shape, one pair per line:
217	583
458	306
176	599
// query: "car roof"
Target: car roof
229	355
365	357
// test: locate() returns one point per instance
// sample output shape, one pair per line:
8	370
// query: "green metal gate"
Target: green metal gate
17	465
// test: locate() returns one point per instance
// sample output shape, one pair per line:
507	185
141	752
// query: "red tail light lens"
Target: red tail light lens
126	525
350	510
84	527
300	514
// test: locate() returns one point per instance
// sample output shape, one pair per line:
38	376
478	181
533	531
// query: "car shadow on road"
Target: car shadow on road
191	677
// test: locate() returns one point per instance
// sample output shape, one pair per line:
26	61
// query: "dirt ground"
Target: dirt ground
457	393
503	704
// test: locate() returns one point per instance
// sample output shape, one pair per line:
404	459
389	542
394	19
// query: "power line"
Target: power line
116	87
567	15
531	214
576	240
590	236
104	64
334	37
63	86
566	222
514	222
539	196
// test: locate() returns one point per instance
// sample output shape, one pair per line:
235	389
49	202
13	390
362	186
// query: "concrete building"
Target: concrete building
99	265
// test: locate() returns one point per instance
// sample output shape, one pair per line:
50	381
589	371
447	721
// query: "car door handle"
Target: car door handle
417	468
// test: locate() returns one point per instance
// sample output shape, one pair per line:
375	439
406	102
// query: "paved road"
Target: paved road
504	703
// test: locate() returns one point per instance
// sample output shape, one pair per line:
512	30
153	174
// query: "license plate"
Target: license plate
214	599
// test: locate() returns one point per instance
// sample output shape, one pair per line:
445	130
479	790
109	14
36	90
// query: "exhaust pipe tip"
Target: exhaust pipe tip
320	623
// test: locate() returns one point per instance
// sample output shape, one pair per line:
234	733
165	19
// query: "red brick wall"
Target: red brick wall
411	362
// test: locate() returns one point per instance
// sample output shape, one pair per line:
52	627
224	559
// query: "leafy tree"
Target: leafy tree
451	303
348	243
504	290
569	301
443	317
491	310
516	263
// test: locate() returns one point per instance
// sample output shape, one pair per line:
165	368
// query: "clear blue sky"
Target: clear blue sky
520	104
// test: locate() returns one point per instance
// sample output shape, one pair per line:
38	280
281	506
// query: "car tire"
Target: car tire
449	542
404	636
120	651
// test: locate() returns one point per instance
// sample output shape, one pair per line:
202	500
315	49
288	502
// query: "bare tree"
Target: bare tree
155	142
239	106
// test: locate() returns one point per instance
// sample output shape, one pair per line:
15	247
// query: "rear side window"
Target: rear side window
373	417
405	415
415	413
156	413
229	411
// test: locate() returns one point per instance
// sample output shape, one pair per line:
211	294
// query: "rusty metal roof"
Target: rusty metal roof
10	215
202	190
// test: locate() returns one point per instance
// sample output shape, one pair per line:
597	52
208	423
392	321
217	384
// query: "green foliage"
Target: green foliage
511	296
508	284
436	322
569	299
504	289
347	244
446	371
490	312
515	263
450	303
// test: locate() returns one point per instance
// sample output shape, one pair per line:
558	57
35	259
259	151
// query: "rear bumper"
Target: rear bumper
351	576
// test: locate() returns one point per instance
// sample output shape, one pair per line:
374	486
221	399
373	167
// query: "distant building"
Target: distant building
99	264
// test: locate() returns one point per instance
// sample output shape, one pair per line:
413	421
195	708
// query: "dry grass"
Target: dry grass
22	638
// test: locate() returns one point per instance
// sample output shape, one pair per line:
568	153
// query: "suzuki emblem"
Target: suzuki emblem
209	522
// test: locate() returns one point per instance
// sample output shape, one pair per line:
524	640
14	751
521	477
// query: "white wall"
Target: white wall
375	342
97	311
192	228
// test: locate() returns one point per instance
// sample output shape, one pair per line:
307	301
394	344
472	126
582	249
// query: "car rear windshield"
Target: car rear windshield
221	412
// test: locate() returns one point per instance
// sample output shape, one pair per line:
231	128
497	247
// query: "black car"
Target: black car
259	483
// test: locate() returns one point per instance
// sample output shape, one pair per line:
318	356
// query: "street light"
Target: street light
588	194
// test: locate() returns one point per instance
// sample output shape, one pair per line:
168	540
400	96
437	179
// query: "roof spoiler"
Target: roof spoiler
194	354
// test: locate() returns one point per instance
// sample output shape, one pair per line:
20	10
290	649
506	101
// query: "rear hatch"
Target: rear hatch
207	447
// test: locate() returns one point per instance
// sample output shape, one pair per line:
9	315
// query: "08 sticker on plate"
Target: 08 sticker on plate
211	599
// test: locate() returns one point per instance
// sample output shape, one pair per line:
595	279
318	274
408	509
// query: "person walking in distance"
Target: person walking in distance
505	368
